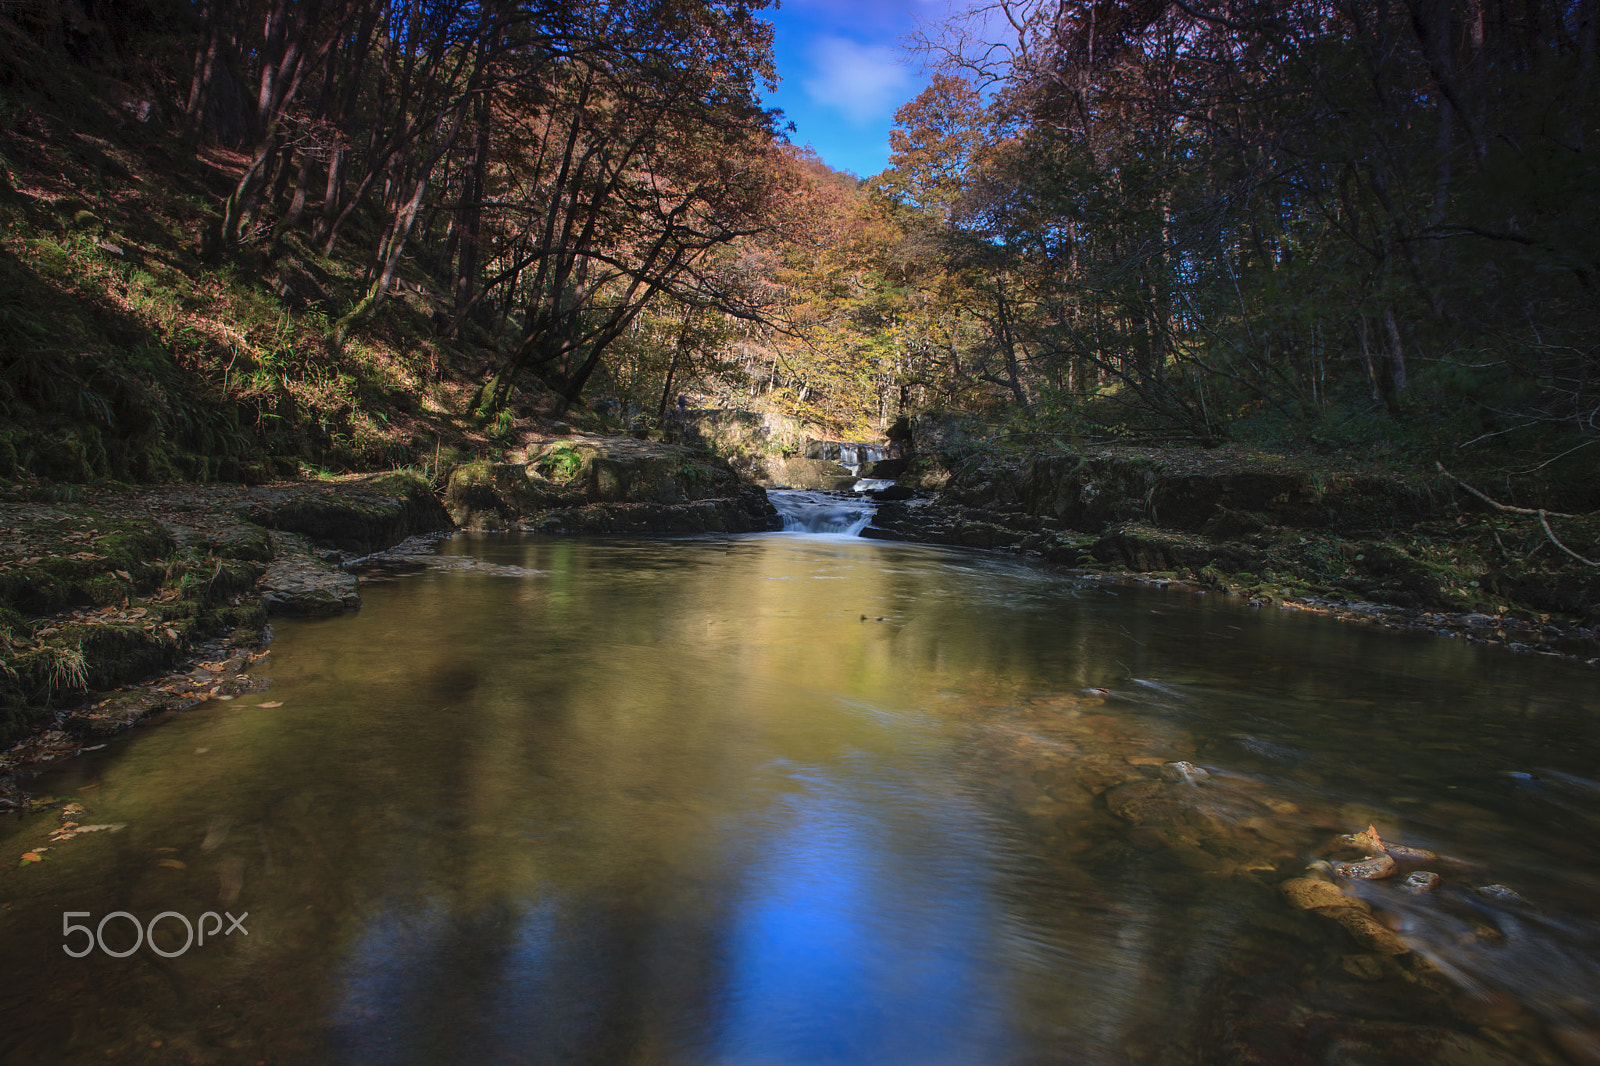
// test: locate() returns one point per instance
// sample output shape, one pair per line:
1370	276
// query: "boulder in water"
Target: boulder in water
1376	868
1309	893
1186	772
814	474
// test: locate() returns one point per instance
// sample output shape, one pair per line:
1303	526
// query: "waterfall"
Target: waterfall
848	454
820	512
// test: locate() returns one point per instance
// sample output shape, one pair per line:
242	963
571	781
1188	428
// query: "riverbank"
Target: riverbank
119	604
102	589
1407	552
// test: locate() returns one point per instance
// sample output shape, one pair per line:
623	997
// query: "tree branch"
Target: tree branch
1507	508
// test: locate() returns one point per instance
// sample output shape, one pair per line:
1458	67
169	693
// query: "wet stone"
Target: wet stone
1146	803
1421	881
1364	967
1374	869
1186	772
1500	892
1097	773
298	582
1402	853
1307	893
1366	930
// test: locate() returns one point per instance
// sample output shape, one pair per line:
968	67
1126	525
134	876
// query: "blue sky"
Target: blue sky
845	69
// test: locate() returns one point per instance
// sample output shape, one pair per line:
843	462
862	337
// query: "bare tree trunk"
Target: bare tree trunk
472	214
1397	355
205	63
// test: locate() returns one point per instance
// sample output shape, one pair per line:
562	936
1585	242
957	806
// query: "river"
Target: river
797	799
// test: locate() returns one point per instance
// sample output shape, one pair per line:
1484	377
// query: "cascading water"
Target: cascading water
872	484
851	456
821	512
855	456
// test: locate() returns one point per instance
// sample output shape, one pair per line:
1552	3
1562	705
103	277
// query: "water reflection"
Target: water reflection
814	800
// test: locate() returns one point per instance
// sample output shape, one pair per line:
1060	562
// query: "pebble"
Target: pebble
1405	854
1421	881
1500	892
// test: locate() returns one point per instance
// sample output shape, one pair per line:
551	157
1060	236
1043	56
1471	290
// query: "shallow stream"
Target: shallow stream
792	799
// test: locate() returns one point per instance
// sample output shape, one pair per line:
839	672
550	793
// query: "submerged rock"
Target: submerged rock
1421	881
1500	892
1366	930
1309	893
299	582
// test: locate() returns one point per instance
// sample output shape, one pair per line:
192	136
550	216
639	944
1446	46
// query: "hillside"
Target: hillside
132	359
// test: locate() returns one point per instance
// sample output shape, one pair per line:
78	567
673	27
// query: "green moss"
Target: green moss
403	483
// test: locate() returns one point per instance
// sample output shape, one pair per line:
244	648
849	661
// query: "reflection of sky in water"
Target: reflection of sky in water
838	943
841	953
651	806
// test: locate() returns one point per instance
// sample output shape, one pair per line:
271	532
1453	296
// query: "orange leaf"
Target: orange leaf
31	856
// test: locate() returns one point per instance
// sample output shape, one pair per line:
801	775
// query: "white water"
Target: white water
872	484
820	512
852	456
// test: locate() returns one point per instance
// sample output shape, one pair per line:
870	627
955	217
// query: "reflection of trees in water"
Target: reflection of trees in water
669	797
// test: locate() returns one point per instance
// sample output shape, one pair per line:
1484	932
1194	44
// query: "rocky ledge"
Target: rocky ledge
101	590
586	484
1412	552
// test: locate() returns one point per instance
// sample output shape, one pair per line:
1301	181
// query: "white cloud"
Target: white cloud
862	82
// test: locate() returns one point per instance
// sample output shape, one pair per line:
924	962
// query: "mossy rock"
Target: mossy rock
114	654
18	718
360	521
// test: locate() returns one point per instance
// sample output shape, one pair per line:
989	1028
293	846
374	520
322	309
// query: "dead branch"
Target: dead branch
1540	513
1497	505
1551	534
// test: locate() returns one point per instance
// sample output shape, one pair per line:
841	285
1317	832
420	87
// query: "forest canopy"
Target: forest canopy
1327	221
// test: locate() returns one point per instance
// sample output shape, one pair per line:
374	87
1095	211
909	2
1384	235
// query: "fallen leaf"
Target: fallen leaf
31	856
123	574
175	864
271	704
170	632
110	826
